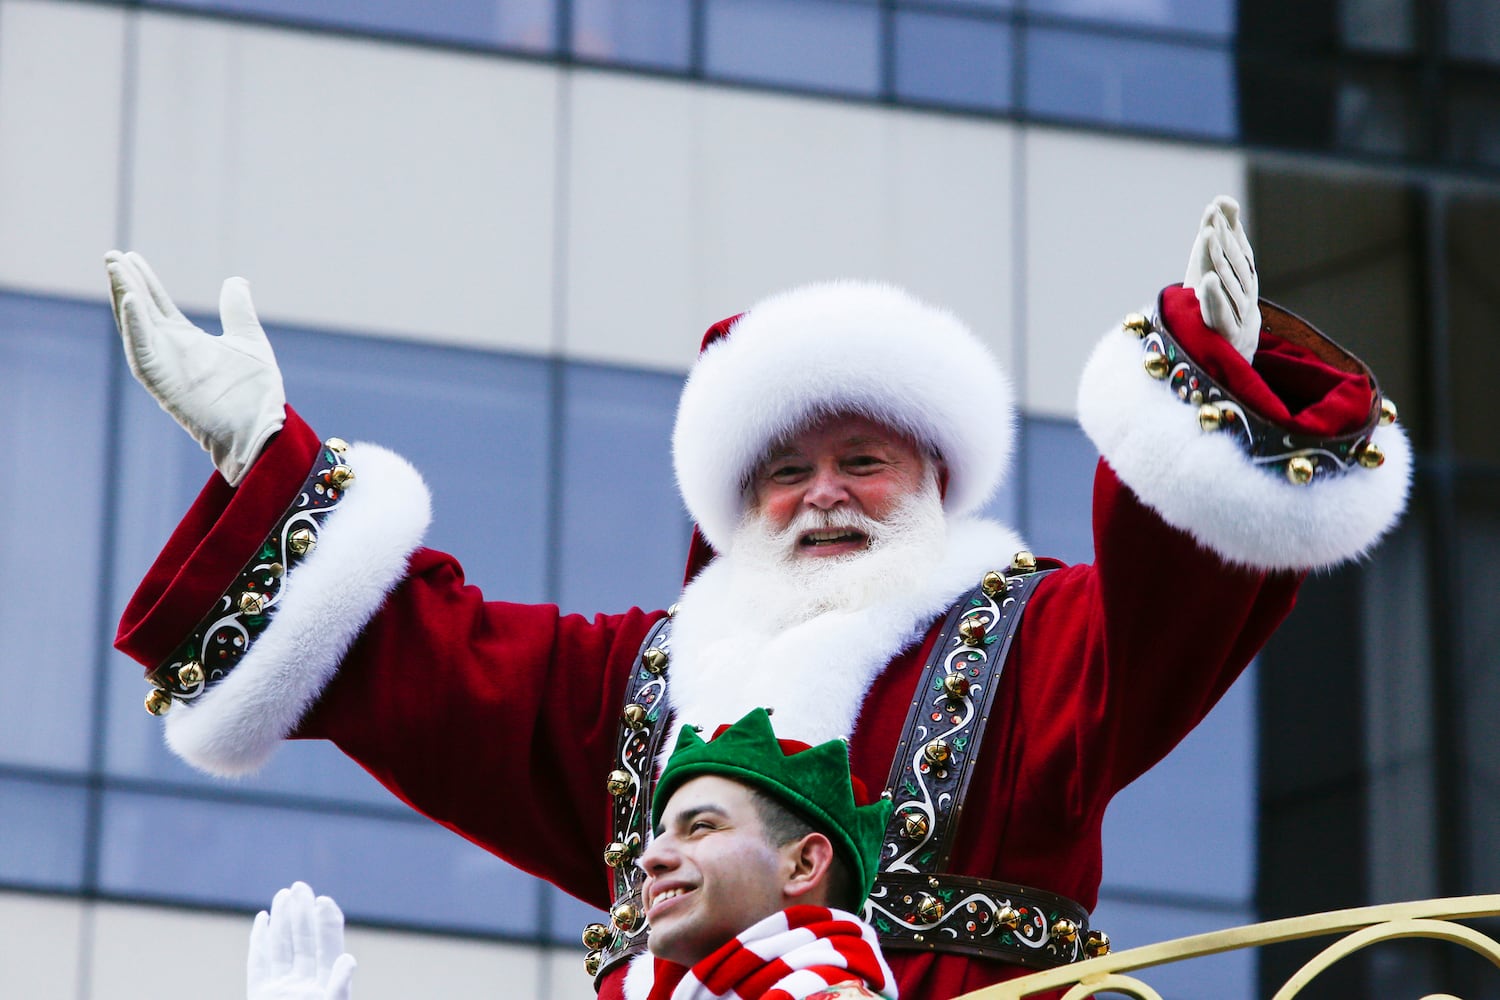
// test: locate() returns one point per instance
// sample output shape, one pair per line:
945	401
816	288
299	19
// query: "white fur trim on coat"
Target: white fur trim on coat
848	346
361	556
1204	484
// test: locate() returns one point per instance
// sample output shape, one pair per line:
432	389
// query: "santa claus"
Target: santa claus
834	445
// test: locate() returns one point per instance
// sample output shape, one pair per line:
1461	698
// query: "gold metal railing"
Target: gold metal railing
1362	927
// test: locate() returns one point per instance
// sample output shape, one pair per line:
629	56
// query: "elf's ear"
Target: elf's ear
809	861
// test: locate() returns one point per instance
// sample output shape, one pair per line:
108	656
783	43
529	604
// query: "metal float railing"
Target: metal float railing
1362	927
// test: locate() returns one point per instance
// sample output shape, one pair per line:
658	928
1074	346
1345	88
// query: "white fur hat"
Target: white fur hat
839	347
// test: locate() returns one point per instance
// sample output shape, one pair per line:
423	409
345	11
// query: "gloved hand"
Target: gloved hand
1221	269
225	391
297	950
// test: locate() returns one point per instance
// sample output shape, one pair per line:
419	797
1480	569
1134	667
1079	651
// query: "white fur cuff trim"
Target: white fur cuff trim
1205	485
361	556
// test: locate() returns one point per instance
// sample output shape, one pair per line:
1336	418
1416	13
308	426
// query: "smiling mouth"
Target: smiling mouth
831	538
666	896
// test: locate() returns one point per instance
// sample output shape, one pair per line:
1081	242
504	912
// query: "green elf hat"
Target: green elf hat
813	782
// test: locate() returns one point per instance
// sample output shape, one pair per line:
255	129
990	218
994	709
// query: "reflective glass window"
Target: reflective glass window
953	60
523	24
1059	489
1130	82
42	827
55	361
1474	30
822	44
637	32
624	532
407	871
1473	290
1211	17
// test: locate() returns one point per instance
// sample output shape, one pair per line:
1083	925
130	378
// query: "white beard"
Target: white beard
752	632
777	589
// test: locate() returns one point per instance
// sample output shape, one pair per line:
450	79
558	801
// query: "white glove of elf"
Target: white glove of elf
225	391
297	950
1221	269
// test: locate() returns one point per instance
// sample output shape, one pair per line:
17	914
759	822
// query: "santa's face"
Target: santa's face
711	870
831	476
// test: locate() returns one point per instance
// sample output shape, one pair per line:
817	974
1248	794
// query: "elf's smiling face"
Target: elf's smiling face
711	870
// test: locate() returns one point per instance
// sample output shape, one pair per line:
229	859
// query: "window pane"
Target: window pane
1213	17
640	32
42	842
806	43
953	60
1473	127
1377	25
1130	83
566	916
1473	289
1059	485
1474	30
624	533
55	360
226	854
1479	651
524	24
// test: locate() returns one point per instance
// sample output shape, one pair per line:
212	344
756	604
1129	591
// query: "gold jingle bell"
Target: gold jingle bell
625	916
914	825
1210	417
993	583
1064	932
1300	470
654	660
1096	944
617	855
971	631
1388	412
1137	324
635	715
336	445
341	476
1008	917
1157	365
1370	456
937	753
1023	562
957	685
592	961
252	603
929	907
596	936
618	782
190	674
158	702
301	541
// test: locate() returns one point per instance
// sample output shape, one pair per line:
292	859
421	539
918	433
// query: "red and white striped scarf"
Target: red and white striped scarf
796	954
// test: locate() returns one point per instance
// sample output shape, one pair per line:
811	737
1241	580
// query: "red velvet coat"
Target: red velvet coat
499	720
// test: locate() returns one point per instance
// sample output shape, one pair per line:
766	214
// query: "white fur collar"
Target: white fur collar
815	674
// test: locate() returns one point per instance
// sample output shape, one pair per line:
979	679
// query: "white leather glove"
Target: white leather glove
225	391
1221	269
297	950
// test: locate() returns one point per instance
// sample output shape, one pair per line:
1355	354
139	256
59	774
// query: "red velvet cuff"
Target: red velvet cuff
213	542
1288	385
